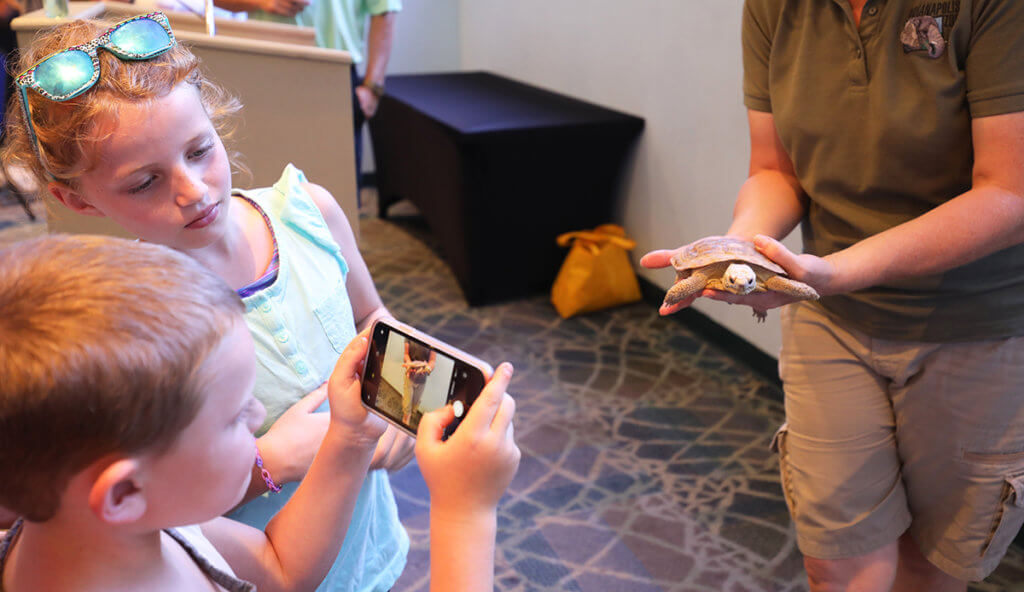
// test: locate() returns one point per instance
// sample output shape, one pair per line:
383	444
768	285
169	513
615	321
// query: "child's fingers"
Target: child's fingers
313	400
482	411
350	364
432	425
503	417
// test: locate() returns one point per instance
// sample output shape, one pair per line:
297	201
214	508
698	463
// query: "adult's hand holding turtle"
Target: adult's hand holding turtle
763	274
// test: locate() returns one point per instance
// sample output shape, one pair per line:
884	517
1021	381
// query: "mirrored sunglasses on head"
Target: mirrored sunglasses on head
64	75
70	72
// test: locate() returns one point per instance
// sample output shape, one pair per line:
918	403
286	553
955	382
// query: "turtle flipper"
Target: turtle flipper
791	287
685	288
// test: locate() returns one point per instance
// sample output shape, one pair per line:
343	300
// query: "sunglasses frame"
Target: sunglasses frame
27	80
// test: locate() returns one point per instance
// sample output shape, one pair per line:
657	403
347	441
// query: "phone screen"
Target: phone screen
406	378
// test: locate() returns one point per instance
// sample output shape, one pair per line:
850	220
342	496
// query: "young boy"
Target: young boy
126	420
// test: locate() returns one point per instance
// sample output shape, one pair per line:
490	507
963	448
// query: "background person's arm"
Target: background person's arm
10	9
278	7
378	52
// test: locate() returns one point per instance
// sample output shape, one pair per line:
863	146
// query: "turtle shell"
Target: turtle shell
715	249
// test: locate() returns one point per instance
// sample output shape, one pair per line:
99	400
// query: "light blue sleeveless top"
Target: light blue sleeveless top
301	323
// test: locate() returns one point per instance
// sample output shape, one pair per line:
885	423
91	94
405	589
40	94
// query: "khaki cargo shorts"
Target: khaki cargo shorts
882	437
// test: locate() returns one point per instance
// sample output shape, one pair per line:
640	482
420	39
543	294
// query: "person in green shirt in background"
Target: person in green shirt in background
341	24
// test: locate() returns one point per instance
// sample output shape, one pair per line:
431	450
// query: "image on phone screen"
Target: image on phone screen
406	378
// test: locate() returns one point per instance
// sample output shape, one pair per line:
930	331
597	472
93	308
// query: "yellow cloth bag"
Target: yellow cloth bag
597	272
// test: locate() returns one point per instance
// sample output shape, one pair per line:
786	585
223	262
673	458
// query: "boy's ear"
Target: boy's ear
72	199
116	496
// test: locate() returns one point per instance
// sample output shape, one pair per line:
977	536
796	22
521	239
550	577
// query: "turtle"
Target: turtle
730	264
418	371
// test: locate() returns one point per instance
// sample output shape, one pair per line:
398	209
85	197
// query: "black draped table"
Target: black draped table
498	169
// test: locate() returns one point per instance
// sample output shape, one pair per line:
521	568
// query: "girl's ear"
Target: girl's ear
73	200
116	496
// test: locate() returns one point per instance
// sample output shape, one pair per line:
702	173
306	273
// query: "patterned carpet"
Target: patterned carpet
645	450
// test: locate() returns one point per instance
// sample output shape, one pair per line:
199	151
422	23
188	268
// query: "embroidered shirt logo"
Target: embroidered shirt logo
928	27
923	33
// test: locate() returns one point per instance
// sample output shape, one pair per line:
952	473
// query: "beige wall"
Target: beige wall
426	37
677	64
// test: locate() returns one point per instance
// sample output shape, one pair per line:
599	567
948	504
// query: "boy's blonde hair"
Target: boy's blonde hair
100	343
68	130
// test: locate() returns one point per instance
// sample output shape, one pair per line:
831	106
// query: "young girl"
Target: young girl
139	141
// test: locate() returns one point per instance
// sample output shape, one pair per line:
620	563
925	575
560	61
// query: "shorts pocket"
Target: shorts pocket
778	446
1008	517
335	315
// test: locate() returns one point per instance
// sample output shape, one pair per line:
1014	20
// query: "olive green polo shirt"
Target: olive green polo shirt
877	122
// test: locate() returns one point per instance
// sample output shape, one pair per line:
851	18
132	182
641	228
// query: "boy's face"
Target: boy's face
162	174
207	470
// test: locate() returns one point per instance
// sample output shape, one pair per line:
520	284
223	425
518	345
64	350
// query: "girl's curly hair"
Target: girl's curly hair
69	130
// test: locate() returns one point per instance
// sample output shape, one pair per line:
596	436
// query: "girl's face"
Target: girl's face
162	174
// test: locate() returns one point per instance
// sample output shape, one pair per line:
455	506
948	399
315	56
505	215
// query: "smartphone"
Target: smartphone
409	373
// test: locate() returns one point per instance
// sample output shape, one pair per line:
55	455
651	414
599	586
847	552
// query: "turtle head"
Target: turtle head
739	278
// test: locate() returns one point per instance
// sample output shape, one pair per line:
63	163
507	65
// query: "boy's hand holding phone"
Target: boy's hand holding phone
468	473
343	390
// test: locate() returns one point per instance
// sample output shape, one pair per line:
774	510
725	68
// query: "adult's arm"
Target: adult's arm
378	52
985	219
378	46
278	7
771	201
